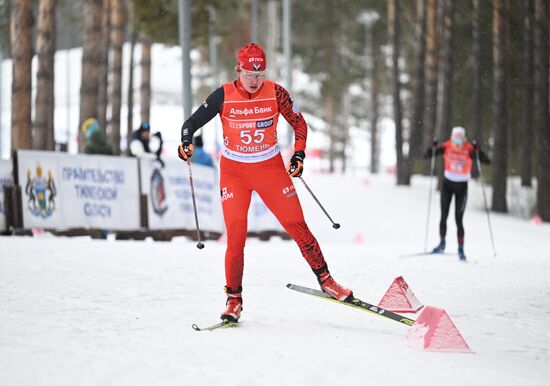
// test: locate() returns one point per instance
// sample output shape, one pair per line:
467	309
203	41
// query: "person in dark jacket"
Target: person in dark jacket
200	156
95	141
145	145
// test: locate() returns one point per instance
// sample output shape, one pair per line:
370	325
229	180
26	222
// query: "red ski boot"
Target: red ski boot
332	288
233	304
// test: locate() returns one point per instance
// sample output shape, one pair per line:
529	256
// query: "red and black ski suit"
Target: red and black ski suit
251	161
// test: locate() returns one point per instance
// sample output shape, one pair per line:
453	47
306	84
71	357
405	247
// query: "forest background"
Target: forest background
428	65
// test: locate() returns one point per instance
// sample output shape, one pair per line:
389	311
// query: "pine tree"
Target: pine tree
118	24
43	135
500	106
91	51
542	110
21	46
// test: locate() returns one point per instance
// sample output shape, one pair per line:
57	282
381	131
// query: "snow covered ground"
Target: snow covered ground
75	311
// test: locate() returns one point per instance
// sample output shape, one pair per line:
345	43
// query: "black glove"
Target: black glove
479	154
159	136
161	162
296	165
185	151
431	150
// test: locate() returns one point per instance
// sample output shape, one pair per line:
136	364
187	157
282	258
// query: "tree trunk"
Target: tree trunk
393	25
476	90
43	135
329	91
445	77
117	40
500	106
431	69
130	113
417	124
90	65
444	89
145	88
375	108
542	109
273	32
21	53
130	97
330	129
103	83
528	96
345	105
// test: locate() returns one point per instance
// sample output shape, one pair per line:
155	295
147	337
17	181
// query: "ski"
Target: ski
427	254
222	324
355	303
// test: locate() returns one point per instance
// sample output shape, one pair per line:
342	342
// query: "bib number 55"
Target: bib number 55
257	137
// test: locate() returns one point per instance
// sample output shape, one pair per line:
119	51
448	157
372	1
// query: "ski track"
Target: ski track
88	312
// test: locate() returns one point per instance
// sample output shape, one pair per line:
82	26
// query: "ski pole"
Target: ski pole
200	245
334	225
432	168
485	202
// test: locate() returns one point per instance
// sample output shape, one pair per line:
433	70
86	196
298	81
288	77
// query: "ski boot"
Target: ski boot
234	305
461	255
332	288
440	248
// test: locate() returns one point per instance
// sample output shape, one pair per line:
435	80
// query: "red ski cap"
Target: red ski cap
251	58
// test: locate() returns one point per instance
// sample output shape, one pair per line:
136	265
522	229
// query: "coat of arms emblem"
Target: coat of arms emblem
41	193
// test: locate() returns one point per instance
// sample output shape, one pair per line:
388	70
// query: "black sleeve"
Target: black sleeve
482	157
204	114
429	152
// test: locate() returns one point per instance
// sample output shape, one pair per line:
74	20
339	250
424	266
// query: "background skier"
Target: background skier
458	155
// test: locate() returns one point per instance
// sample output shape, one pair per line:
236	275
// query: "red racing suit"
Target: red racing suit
251	161
458	161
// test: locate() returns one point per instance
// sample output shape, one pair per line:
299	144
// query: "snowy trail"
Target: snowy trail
86	312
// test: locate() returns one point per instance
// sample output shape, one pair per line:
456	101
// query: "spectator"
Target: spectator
95	141
145	145
200	156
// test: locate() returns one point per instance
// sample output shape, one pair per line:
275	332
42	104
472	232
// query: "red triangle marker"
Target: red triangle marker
435	331
358	239
400	298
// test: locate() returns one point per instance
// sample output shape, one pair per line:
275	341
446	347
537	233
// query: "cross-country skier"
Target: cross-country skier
249	108
458	156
